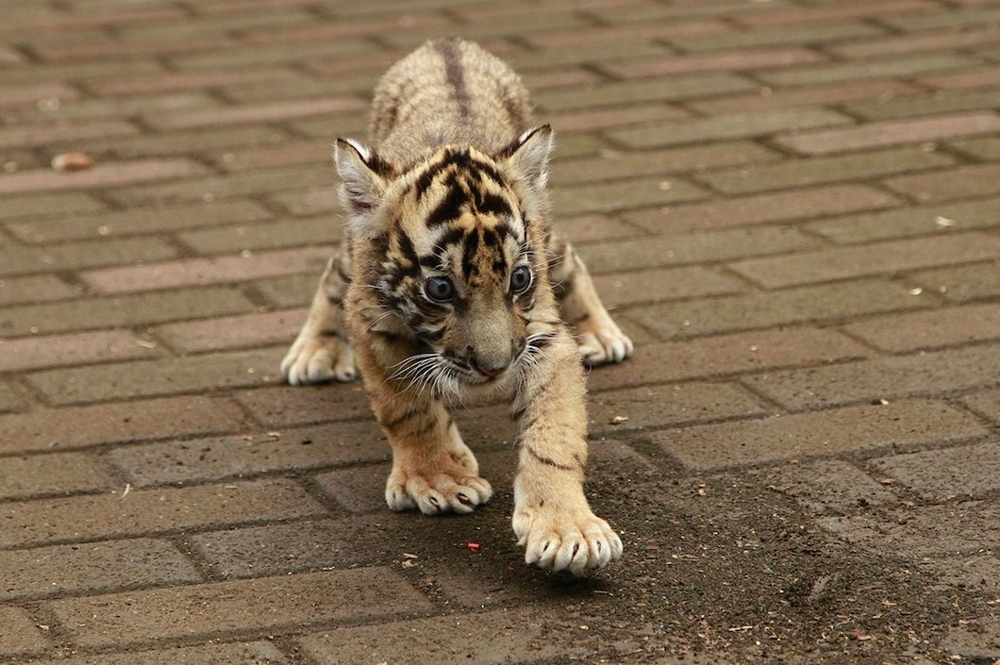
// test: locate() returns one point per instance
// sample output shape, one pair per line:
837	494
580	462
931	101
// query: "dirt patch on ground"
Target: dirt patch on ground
717	569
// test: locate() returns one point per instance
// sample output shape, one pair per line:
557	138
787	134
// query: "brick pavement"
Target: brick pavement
791	205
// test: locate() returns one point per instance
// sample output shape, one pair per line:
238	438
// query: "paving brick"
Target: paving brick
47	203
854	429
830	13
31	95
985	76
206	144
145	512
986	149
970	572
215	270
891	132
77	427
101	175
10	400
903	66
37	475
882	378
963	471
762	208
810	304
873	92
21	634
873	259
668	405
623	195
269	605
43	135
124	310
34	288
949	529
981	641
283	549
963	283
499	636
710	246
359	490
138	221
659	285
258	653
726	355
234	456
986	403
823	33
914	43
828	486
190	80
576	36
274	112
938	104
824	170
312	201
595	227
273	54
962	182
324	230
288	291
75	349
232	332
908	221
92	568
732	61
975	17
81	255
953	326
153	378
214	188
731	126
624	93
78	71
285	406
289	153
124	108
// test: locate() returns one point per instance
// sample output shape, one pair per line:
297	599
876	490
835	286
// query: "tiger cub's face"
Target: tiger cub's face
454	258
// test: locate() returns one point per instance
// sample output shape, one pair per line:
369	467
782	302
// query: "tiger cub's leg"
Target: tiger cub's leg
432	468
321	351
598	336
552	518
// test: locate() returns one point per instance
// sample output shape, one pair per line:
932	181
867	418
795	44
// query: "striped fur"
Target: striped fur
452	286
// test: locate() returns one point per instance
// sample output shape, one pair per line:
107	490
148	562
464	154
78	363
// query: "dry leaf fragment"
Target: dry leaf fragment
72	161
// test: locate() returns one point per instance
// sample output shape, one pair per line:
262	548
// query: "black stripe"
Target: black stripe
403	417
469	254
546	461
448	48
450	206
491	204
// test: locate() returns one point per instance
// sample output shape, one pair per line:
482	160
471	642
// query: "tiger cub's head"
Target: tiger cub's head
454	252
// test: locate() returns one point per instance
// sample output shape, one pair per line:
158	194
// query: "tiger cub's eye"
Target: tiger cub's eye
439	289
520	279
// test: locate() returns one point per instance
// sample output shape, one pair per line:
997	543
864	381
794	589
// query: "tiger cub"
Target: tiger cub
451	284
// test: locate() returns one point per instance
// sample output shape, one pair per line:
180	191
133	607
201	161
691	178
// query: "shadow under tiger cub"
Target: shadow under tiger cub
451	285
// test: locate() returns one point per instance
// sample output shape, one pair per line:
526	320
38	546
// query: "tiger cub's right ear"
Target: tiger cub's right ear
364	177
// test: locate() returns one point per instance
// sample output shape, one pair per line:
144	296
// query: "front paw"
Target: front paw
556	541
602	343
314	359
437	494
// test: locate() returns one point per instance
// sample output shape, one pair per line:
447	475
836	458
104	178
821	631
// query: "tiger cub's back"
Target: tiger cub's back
449	91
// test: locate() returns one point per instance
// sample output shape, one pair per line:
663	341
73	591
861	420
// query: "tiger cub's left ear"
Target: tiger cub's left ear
364	178
529	155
